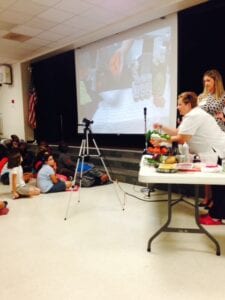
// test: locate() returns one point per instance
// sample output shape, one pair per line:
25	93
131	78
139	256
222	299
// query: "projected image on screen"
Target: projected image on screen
117	80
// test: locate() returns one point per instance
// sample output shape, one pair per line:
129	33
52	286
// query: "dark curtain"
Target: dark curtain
54	79
200	44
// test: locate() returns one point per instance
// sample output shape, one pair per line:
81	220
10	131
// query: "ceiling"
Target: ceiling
29	29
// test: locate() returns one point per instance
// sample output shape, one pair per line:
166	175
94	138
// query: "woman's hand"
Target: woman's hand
220	116
157	126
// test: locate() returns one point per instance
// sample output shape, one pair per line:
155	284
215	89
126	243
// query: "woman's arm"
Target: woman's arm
174	135
54	179
168	130
180	138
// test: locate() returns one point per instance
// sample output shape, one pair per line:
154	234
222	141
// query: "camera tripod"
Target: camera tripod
84	152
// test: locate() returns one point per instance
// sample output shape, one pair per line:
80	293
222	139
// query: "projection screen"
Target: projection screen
120	78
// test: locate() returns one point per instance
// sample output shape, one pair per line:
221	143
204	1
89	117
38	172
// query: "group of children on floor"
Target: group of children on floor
30	174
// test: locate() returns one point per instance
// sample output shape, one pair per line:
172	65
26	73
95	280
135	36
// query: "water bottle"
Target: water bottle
186	152
223	165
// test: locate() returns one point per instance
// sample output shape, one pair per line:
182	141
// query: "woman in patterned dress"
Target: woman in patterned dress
212	100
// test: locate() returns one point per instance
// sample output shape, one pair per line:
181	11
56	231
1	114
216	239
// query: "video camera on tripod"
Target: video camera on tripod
86	123
84	154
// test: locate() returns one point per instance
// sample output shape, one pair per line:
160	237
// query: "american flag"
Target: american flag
32	107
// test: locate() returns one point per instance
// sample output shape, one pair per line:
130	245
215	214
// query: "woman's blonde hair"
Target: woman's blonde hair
219	88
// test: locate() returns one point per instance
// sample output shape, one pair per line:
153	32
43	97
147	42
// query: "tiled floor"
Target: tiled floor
99	252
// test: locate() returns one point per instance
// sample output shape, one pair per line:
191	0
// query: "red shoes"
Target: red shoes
207	220
4	211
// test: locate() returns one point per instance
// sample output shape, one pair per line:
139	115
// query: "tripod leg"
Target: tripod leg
74	178
68	205
80	155
75	174
84	152
100	156
73	183
115	184
81	175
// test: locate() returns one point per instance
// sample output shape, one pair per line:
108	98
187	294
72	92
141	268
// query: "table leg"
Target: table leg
163	228
166	228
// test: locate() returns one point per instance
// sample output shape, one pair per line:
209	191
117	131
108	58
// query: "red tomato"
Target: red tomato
157	150
164	150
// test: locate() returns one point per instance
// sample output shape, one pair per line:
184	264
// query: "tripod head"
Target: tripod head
86	124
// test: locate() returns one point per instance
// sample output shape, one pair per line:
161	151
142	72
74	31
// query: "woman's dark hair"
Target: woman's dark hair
46	156
14	159
189	97
14	137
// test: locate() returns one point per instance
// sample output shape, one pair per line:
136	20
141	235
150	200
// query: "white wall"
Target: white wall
15	114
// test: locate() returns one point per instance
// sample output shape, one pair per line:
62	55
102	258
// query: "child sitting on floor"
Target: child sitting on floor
47	180
16	178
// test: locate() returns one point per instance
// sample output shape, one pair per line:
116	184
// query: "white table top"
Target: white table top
148	174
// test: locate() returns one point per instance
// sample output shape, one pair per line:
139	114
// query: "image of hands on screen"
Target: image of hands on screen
117	81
